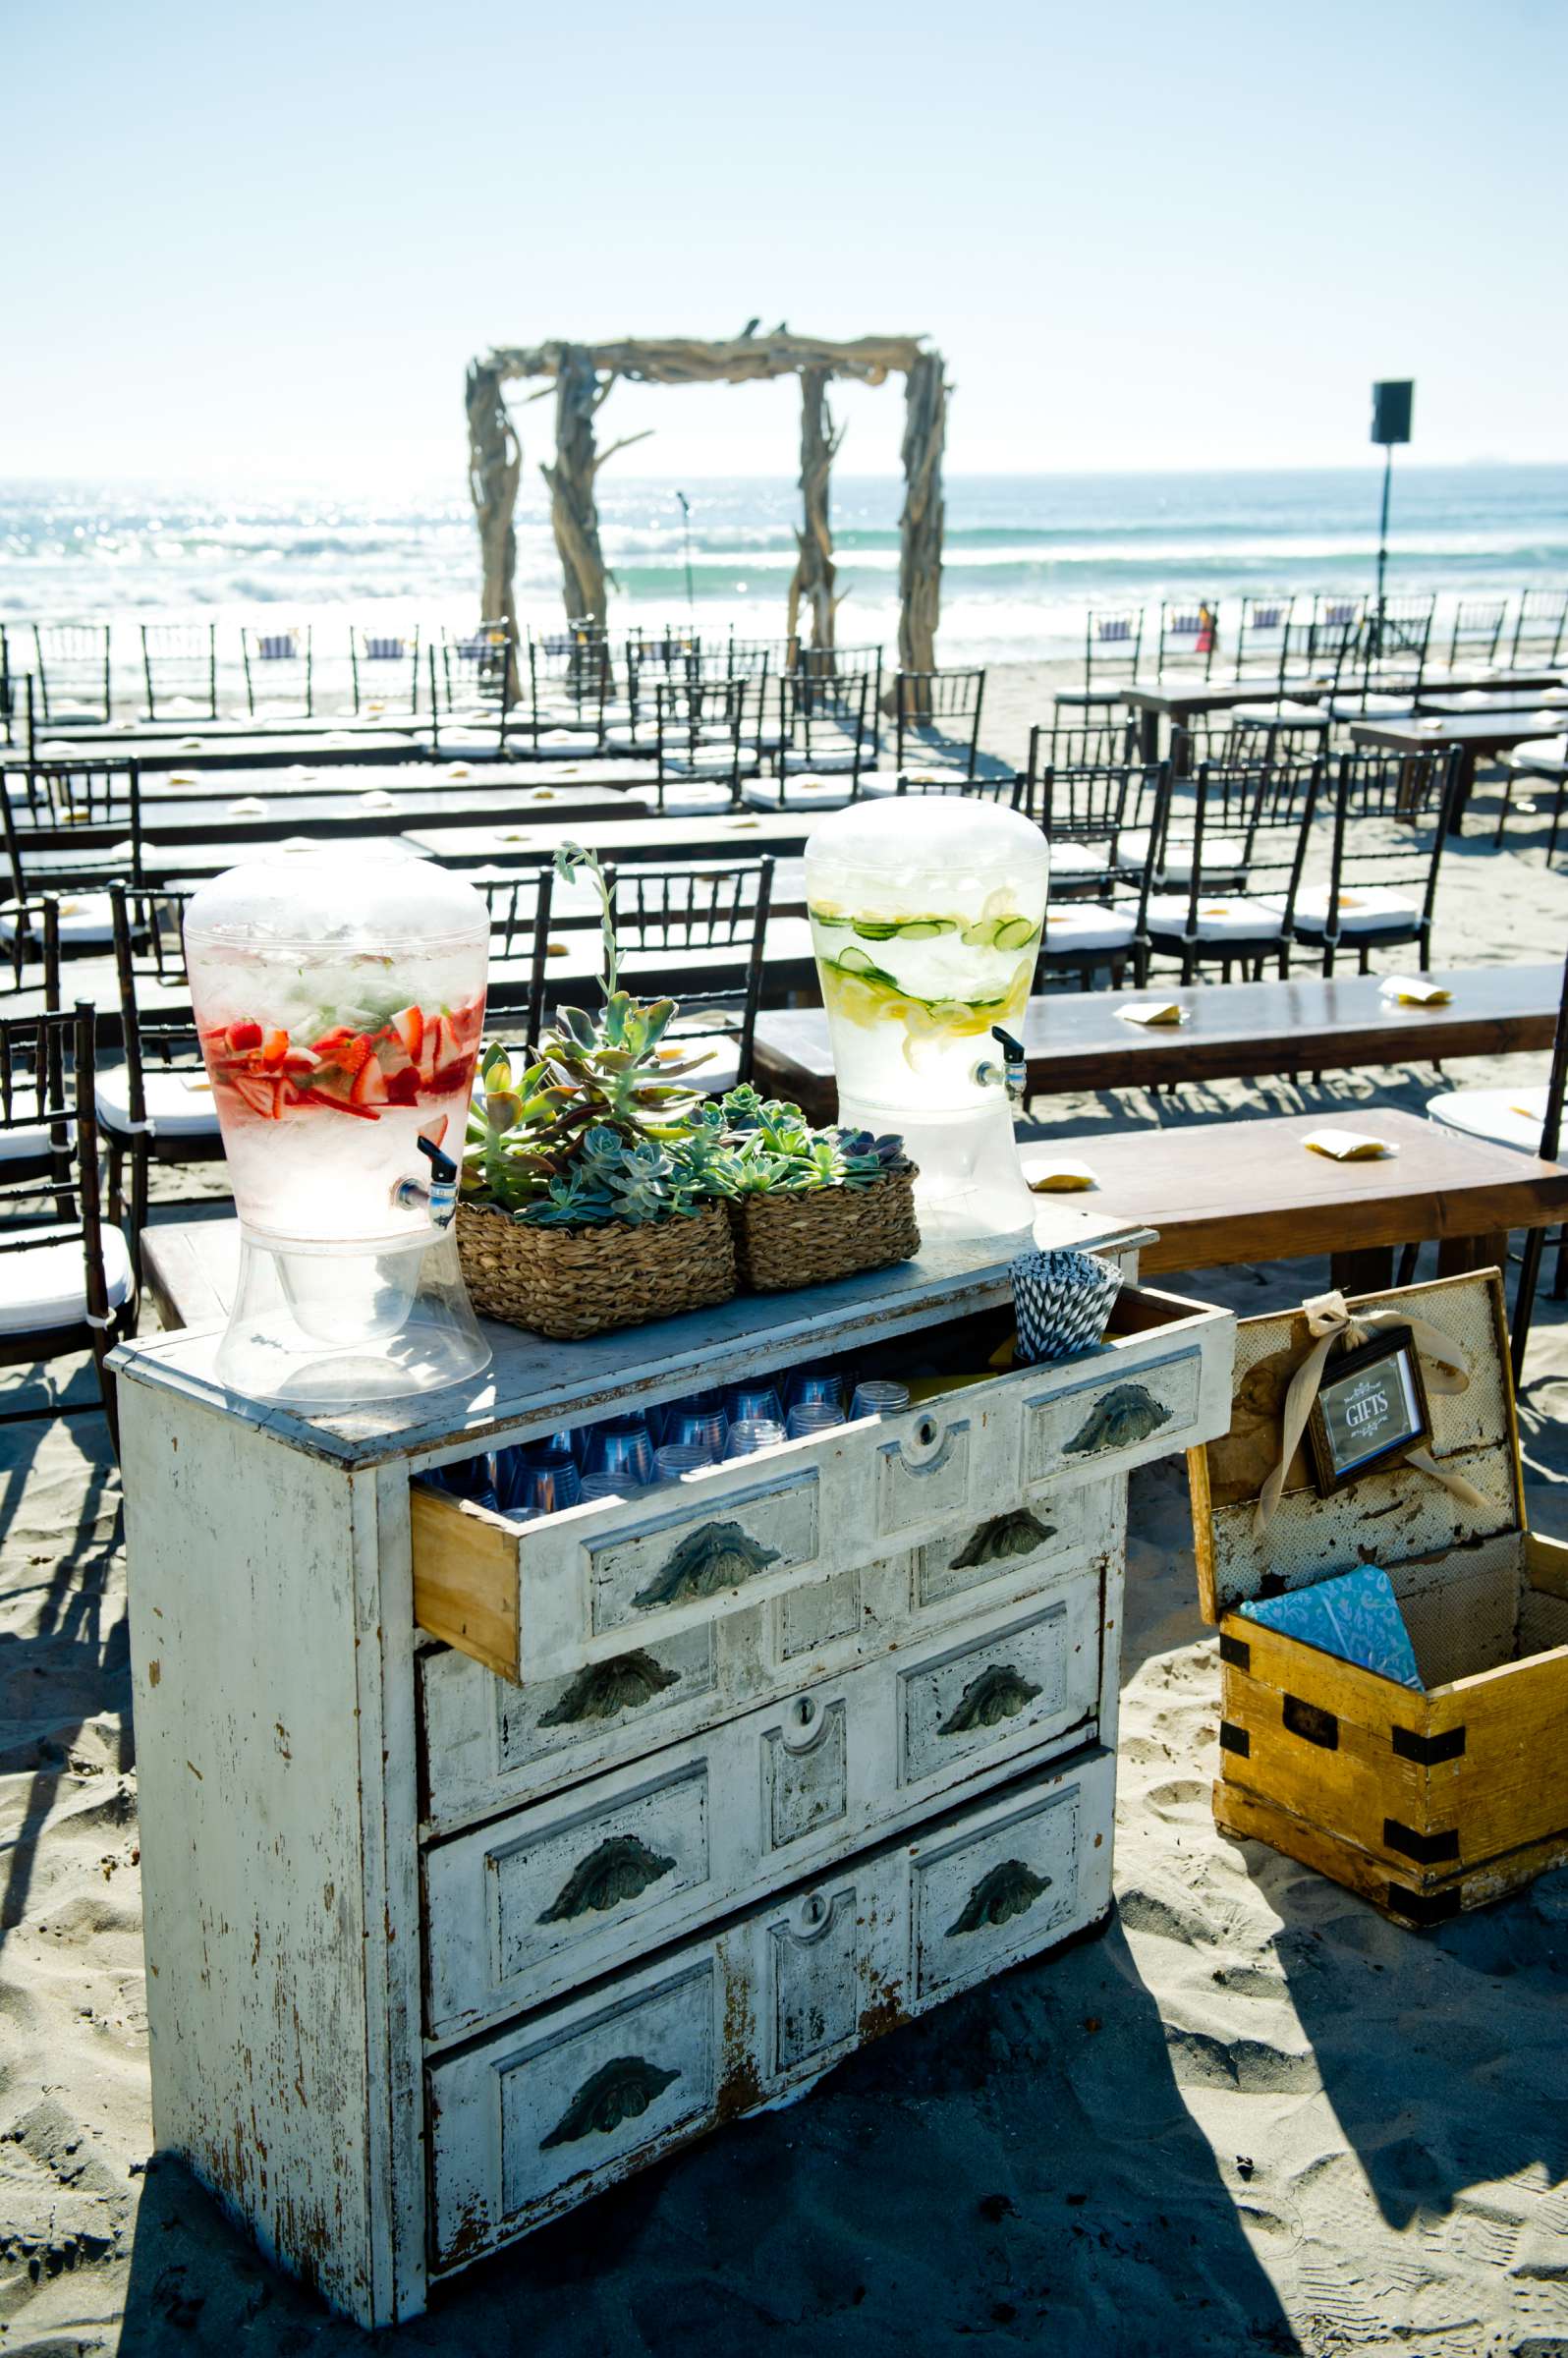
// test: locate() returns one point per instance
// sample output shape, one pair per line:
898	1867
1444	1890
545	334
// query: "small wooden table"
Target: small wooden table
1221	1193
741	834
1475	734
1076	1040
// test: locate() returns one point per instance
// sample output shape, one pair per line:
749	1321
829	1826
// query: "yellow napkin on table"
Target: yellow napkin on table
544	793
457	769
1153	1011
1414	990
1059	1175
197	1084
1348	1146
376	798
248	806
184	777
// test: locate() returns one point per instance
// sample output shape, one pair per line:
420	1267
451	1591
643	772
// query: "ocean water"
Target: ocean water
1026	555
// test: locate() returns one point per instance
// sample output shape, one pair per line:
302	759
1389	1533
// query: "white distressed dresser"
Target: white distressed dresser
486	1862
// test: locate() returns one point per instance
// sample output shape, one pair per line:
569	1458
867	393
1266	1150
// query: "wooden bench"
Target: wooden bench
1235	1031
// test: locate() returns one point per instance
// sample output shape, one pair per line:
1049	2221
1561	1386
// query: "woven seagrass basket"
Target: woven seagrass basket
570	1282
786	1240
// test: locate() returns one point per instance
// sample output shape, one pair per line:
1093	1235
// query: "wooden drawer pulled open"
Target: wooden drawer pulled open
489	1745
533	1600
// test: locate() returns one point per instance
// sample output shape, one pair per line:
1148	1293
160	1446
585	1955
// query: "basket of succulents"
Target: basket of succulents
578	1211
601	1188
809	1204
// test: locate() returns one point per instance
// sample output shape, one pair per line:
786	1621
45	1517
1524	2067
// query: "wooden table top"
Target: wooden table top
1246	1191
194	749
361	809
746	834
1483	702
1482	732
1078	1039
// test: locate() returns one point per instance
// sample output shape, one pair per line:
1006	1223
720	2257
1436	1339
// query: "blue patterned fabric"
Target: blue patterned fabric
1354	1616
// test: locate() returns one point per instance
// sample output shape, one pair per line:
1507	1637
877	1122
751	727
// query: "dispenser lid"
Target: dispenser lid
912	834
347	895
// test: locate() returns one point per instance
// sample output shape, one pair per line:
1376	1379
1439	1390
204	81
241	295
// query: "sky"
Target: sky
258	245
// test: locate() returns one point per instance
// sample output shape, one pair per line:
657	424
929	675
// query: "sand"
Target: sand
1250	2116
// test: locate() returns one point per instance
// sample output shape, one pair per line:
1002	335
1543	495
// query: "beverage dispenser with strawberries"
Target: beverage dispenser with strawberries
340	1001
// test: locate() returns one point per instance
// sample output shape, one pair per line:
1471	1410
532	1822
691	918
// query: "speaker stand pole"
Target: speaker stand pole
1382	540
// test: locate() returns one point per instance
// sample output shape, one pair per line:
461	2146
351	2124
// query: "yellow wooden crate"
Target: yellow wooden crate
1425	1802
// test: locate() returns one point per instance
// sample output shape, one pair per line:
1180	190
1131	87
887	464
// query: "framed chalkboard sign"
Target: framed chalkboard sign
1370	1410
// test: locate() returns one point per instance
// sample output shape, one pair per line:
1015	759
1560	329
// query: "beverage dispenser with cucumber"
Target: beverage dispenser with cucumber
927	915
339	1001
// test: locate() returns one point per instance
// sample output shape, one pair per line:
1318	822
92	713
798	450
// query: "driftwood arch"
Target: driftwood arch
583	375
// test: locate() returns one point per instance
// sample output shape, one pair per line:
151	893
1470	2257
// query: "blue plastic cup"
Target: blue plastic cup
751	1433
816	1387
813	1417
753	1403
876	1399
676	1458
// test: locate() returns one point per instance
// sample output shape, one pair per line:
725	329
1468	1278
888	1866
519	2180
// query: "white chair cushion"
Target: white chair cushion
1218	919
44	1284
174	1110
1362	909
85	919
1372	706
808	792
1089	926
1539	748
684	798
1224	855
1509	1117
1287	714
1069	859
23	1146
822	755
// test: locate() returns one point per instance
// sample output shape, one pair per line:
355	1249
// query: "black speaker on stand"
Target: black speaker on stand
1393	399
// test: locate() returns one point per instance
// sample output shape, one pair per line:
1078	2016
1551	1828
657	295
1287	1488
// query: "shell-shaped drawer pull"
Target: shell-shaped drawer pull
618	2090
621	1869
1016	1533
713	1558
999	1693
1009	1890
1126	1416
604	1689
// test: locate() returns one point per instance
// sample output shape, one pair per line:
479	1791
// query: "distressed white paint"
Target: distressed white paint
731	2021
533	1905
492	1744
787	1754
597	1579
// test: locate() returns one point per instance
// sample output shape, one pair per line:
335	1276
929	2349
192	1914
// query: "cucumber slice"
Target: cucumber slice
1013	933
826	916
980	936
876	929
925	928
856	961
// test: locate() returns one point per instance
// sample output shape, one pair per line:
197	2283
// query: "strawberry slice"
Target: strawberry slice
452	1076
319	1097
298	1060
244	1037
408	1025
354	1052
332	1040
469	1022
259	1093
274	1048
403	1088
369	1085
435	1131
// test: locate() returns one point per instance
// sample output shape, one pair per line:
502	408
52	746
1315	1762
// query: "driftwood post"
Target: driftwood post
920	567
815	571
495	463
573	513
